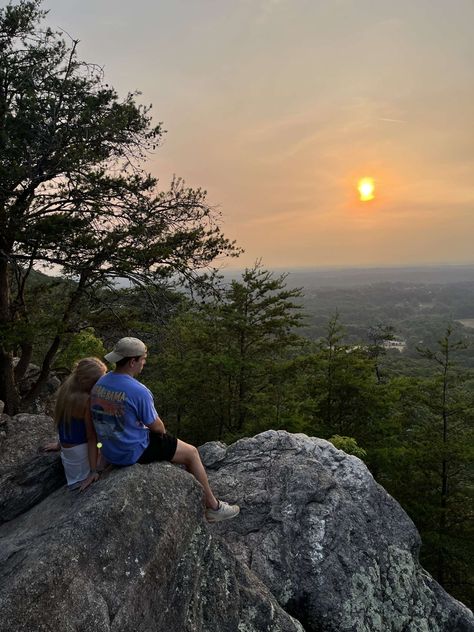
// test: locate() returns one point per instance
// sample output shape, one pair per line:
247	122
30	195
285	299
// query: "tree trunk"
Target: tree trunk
441	558
44	373
8	391
242	390
241	411
25	358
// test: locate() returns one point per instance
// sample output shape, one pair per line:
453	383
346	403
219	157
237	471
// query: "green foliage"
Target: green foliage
430	465
225	364
82	344
346	397
348	445
416	432
73	194
378	335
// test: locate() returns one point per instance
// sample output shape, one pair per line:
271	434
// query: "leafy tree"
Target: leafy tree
72	192
225	363
184	379
379	334
429	465
334	359
341	383
82	344
257	317
449	458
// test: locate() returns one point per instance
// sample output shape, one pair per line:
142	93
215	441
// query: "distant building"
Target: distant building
399	345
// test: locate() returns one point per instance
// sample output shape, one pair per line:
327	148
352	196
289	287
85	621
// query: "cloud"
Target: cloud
390	120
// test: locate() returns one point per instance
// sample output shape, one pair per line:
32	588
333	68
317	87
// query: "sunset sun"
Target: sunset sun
366	188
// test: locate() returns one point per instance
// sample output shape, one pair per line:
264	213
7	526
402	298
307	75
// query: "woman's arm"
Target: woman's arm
91	440
92	450
51	447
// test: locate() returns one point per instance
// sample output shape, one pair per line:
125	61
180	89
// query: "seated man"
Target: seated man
130	430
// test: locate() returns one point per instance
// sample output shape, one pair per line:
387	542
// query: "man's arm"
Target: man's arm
157	426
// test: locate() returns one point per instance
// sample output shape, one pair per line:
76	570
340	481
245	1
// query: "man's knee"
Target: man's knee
193	454
188	454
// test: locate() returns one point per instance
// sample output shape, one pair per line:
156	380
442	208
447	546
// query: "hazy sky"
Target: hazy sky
278	107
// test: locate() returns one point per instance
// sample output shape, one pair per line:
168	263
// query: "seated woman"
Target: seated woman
77	438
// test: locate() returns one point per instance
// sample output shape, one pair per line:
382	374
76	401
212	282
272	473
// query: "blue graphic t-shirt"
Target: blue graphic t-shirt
122	408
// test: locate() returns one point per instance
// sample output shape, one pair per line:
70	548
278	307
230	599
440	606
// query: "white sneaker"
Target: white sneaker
223	512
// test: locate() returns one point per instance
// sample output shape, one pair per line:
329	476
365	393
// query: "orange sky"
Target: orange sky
279	107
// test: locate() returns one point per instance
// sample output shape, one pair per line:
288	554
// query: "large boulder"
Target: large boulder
26	484
27	476
318	546
132	553
23	435
336	550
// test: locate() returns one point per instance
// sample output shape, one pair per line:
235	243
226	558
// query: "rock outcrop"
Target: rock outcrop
22	436
27	484
26	475
335	549
318	546
132	553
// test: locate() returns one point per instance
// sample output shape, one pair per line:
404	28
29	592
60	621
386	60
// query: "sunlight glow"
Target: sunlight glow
366	188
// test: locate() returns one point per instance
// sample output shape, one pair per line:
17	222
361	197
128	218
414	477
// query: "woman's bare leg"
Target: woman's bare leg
188	456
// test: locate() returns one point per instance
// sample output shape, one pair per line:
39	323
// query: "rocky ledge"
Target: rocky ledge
336	550
318	546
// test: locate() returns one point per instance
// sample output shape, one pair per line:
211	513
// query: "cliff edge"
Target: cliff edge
318	546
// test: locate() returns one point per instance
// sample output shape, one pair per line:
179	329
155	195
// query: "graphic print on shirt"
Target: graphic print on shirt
109	412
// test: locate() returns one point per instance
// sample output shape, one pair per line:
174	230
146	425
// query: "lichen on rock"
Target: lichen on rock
336	550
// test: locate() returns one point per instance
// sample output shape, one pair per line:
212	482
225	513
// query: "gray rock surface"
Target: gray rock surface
316	538
24	434
132	553
335	549
26	476
28	483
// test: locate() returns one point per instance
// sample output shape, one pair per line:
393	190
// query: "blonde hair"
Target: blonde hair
73	395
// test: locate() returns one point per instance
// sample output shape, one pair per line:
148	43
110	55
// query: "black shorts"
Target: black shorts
160	448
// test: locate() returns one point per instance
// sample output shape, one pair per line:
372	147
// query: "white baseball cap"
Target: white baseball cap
126	348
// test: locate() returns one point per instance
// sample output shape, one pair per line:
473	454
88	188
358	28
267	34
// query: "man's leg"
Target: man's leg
188	456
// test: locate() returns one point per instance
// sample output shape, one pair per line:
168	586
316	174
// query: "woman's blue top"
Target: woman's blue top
73	432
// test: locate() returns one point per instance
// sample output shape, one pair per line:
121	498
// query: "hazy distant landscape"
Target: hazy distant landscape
419	302
346	277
